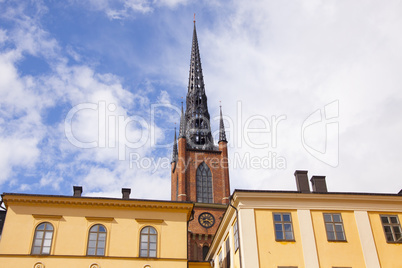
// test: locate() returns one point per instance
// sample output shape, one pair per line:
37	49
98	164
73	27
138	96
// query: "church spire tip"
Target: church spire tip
222	134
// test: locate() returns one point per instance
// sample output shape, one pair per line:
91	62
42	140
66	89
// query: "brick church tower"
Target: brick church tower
200	171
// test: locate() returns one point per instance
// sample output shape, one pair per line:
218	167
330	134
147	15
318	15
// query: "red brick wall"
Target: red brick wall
198	236
186	169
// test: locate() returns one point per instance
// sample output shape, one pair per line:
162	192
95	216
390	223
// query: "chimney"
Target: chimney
77	191
302	181
126	193
319	185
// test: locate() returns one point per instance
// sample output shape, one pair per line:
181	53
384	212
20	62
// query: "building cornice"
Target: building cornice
317	201
27	199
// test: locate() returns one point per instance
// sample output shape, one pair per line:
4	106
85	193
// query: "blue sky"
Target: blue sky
90	92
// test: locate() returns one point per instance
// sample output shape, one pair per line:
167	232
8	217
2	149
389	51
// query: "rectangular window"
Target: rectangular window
236	236
392	228
283	226
221	259
227	253
334	227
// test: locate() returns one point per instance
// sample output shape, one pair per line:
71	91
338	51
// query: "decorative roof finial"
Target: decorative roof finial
194	18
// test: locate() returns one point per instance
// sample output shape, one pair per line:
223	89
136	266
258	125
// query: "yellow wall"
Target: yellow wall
71	234
271	252
389	254
342	254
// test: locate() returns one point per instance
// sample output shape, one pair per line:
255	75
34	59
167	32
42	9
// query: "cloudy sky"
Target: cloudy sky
90	92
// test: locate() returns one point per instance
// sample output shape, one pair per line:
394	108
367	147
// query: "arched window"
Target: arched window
205	249
43	239
97	240
148	239
204	184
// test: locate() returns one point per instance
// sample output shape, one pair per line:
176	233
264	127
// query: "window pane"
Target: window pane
152	246
277	217
384	219
41	226
289	235
144	253
153	239
91	251
94	228
47	243
144	238
152	231
286	217
144	245
327	218
102	236
92	236
101	244
102	229
387	229
92	244
330	227
36	250
389	237
39	235
393	219
49	227
337	217
46	250
398	235
279	235
100	252
331	235
38	242
278	226
338	228
48	235
152	253
288	227
397	230
340	236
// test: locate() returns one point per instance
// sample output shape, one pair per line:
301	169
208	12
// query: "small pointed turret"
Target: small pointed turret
222	134
182	131
175	153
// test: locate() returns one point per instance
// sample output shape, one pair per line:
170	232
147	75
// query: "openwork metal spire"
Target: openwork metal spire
175	152
198	129
222	134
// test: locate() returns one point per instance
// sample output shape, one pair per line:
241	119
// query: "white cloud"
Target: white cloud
293	59
121	9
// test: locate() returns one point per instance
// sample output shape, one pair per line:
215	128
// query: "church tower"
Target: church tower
200	171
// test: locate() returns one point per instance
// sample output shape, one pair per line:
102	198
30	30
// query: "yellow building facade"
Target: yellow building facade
66	231
289	229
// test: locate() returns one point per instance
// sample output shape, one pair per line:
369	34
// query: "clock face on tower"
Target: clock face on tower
206	220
